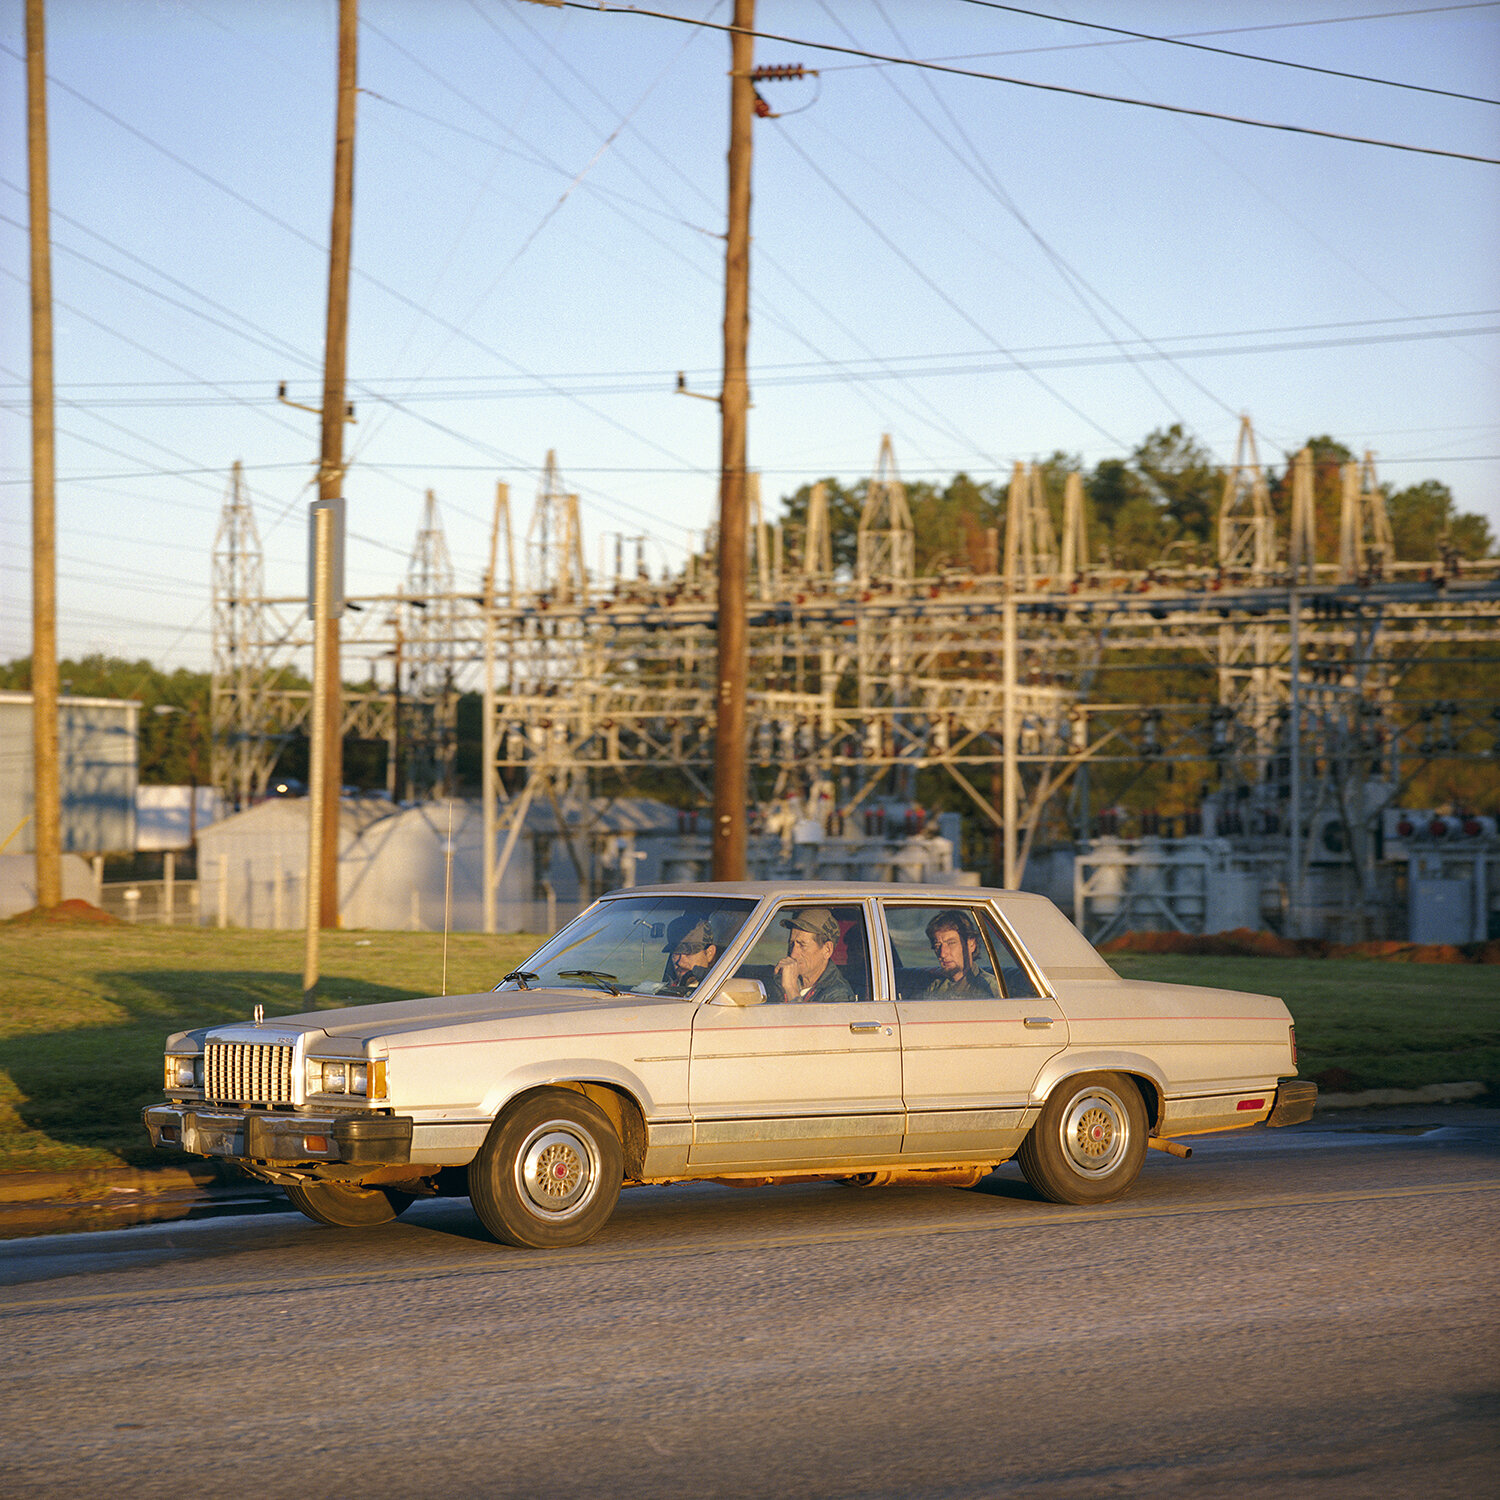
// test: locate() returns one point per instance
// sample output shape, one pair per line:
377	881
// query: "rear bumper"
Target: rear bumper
254	1135
1295	1100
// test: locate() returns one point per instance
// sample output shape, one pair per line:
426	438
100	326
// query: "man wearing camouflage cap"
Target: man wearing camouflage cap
808	972
690	950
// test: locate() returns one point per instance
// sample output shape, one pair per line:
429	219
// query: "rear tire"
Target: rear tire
347	1206
1089	1142
549	1172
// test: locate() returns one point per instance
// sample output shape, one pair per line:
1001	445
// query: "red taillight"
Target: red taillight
1292	1032
1251	1104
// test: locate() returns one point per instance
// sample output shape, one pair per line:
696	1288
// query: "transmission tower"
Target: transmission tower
1366	547
430	657
1249	690
240	683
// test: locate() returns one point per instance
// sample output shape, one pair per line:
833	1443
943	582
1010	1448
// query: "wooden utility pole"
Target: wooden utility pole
47	806
326	773
730	779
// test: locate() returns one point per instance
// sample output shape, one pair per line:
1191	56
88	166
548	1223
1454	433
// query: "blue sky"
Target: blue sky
986	271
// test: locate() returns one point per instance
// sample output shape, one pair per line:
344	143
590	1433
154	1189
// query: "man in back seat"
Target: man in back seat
955	945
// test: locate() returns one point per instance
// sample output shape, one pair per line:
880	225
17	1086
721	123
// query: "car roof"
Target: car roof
851	890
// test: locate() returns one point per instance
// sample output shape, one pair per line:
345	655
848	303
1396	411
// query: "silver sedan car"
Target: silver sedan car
744	1032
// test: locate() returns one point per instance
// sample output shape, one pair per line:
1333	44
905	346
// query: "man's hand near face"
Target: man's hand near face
804	964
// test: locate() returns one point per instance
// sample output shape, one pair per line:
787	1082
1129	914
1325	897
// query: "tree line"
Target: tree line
1160	502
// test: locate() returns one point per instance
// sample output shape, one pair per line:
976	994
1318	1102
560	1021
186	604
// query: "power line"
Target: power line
820	372
1280	62
1032	83
390	291
764	311
653	378
981	170
1383	15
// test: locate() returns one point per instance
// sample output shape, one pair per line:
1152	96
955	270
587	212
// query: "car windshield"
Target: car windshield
642	945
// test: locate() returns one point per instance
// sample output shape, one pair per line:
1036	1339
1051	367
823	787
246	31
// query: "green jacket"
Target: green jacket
831	988
967	986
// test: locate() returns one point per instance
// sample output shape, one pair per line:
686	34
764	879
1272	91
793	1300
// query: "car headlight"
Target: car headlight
184	1072
325	1077
344	1076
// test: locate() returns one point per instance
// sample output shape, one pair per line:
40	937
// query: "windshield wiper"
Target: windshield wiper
520	976
609	981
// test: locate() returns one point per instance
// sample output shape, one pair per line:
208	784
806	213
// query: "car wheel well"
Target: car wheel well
1150	1094
1150	1097
621	1108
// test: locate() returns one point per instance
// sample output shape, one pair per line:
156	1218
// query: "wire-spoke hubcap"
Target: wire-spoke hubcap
1095	1132
557	1169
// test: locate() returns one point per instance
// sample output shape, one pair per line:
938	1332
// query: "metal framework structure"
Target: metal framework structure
860	680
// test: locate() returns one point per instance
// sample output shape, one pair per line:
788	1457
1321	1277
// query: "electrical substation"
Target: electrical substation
860	678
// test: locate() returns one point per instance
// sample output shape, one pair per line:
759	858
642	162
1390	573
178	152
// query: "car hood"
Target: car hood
393	1017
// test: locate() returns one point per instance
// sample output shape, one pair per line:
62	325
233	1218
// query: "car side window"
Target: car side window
952	953
811	953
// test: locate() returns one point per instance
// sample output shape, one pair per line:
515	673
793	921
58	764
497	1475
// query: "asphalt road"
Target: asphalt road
1302	1312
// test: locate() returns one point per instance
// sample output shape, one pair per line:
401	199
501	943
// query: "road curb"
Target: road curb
89	1183
34	1203
1432	1093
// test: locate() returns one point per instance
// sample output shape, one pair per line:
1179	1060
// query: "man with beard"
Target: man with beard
955	944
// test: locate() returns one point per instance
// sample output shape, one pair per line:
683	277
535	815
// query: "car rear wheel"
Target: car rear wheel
1089	1142
549	1172
346	1206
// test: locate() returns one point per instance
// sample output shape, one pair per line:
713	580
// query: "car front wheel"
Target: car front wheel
549	1172
1088	1144
346	1206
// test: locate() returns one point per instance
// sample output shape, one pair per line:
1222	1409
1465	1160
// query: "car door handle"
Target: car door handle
1040	1020
874	1028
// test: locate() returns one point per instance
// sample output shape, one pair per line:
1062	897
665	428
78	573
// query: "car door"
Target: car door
974	1038
810	1082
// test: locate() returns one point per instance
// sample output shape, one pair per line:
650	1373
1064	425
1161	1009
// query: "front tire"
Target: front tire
345	1205
549	1172
1089	1142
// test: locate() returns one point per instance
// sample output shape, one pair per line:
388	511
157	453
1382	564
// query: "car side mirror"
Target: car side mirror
741	992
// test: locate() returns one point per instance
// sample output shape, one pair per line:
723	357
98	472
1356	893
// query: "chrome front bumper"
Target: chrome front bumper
258	1135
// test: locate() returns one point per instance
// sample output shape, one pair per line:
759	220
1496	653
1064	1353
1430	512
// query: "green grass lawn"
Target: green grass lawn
1379	1025
84	1012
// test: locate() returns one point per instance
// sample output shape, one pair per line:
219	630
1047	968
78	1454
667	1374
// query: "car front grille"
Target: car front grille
247	1073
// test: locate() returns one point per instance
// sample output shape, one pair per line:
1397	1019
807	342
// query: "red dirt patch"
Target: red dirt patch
73	913
1244	943
1240	943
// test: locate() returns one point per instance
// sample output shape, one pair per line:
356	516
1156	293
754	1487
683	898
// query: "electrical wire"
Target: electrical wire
765	311
1280	62
975	164
651	379
1032	83
821	372
556	207
1383	15
942	296
390	291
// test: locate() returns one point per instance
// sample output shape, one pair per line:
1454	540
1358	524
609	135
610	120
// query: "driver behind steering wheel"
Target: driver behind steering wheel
691	951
